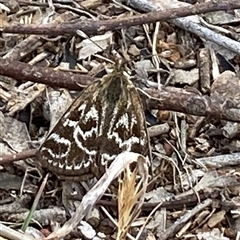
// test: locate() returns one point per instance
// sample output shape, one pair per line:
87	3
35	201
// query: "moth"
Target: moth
106	119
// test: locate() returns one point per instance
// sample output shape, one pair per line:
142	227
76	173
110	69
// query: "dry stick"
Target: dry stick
173	229
6	159
185	201
224	160
25	72
179	100
96	27
185	102
207	34
189	25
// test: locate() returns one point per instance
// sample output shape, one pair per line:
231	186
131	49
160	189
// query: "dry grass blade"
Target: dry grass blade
130	197
34	206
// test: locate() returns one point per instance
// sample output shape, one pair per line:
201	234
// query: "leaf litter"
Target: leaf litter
194	192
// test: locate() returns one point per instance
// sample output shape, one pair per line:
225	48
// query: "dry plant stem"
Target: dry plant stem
92	196
183	135
97	27
25	72
114	221
195	128
178	131
75	10
189	103
34	205
171	231
9	233
155	57
130	198
6	159
27	3
147	220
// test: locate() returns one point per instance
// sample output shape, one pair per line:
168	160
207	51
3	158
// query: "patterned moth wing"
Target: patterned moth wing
105	120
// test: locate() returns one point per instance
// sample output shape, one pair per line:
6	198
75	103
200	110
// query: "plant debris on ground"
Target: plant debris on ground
183	58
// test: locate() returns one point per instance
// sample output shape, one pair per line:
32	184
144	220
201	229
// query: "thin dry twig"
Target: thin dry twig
6	159
174	228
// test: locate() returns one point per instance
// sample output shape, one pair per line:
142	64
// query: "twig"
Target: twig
221	160
98	27
175	227
191	26
190	103
185	201
25	72
6	159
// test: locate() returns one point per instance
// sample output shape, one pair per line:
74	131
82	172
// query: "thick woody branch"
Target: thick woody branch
179	100
25	72
190	103
97	27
